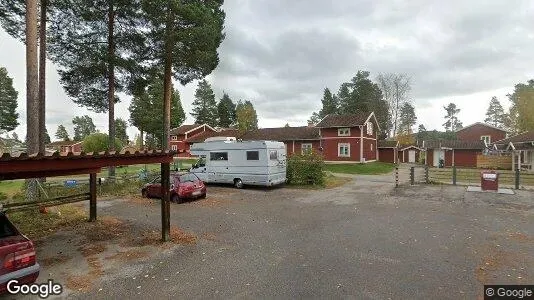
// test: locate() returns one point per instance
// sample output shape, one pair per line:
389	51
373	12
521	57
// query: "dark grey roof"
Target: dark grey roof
454	144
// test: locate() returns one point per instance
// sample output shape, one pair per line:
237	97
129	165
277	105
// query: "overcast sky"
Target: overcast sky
281	54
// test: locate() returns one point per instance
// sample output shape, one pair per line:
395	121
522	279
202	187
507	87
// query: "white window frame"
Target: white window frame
174	138
306	147
343	131
483	138
369	128
174	147
339	145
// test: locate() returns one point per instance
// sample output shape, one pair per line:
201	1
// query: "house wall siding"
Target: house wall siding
298	146
332	132
476	131
386	155
465	158
368	152
330	149
405	155
429	157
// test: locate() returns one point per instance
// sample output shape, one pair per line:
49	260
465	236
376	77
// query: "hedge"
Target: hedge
305	169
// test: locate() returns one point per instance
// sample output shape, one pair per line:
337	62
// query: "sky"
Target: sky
281	54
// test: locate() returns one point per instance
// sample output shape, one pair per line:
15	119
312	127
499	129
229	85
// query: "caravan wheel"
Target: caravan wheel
238	183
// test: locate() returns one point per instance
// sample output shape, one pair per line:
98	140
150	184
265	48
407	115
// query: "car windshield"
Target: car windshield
6	229
189	177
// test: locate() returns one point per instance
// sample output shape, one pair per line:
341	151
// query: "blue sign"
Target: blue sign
70	183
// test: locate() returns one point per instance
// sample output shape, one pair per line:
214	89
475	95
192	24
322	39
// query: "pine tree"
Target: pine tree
8	102
226	112
247	119
521	115
46	137
330	104
495	114
314	119
204	105
421	128
83	126
62	134
120	131
407	118
452	123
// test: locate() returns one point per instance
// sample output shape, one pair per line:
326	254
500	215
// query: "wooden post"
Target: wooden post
517	179
165	202
427	180
519	160
412	173
92	200
397	176
453	173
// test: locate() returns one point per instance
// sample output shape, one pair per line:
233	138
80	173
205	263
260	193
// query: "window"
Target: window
486	138
369	128
343	132
174	138
343	150
253	155
218	155
174	147
371	146
306	148
273	155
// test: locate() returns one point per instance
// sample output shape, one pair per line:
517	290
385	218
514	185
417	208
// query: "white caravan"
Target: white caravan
225	160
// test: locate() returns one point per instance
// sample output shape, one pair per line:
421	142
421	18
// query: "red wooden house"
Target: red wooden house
64	147
453	152
297	139
481	131
178	137
349	137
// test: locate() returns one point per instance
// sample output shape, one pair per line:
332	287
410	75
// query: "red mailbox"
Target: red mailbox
489	180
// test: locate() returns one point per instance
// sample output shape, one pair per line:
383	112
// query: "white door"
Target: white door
411	156
437	155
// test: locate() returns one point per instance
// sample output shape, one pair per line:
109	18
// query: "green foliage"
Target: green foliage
12	15
407	119
247	119
451	118
226	112
372	168
435	135
83	126
205	108
495	114
8	102
146	111
421	128
47	137
521	116
330	104
315	118
151	142
304	169
62	134
120	131
98	142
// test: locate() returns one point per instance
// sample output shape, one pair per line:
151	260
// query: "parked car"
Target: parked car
17	254
183	186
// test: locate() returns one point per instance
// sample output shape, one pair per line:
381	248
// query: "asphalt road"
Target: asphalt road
364	240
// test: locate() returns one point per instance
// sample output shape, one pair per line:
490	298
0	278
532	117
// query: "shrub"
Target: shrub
98	142
305	169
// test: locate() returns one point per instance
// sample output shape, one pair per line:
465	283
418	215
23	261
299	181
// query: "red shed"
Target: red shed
453	152
410	154
387	151
481	131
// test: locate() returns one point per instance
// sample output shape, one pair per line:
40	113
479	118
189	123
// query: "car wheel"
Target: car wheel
203	196
238	183
144	193
175	198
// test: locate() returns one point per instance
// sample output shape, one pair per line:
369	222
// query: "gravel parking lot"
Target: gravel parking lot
364	240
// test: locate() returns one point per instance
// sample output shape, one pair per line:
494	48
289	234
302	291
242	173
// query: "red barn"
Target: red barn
297	139
481	131
179	135
453	152
388	151
349	137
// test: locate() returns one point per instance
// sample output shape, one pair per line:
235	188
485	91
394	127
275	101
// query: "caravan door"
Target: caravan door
199	168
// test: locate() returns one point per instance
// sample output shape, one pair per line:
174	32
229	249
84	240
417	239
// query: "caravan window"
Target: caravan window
253	155
273	155
218	155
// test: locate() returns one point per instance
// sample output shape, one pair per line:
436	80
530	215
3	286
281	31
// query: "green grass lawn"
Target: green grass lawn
372	168
11	187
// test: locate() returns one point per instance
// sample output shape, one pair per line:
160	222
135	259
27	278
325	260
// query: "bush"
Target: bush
98	142
303	169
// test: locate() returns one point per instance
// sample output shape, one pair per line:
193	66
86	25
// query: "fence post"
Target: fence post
92	200
517	178
427	180
412	175
396	175
454	175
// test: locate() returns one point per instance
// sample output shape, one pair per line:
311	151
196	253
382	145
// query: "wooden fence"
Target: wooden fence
503	162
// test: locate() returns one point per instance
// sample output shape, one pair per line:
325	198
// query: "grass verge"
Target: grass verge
373	168
331	182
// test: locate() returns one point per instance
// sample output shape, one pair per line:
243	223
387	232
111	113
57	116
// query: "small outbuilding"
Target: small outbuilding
388	151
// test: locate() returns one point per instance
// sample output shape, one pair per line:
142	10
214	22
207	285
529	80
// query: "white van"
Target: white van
226	160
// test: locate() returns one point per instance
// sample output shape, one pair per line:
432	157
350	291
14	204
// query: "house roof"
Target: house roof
404	147
201	137
483	124
525	137
343	120
388	144
520	146
283	134
454	144
64	143
185	128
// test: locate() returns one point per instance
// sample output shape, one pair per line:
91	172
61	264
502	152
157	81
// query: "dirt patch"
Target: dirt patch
211	202
104	229
84	283
129	255
54	260
92	249
210	236
489	265
148	238
140	200
521	237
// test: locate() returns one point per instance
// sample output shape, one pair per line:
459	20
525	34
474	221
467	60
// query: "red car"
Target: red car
183	186
17	254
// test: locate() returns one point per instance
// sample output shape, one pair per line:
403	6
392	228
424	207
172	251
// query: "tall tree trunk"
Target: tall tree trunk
42	79
396	108
32	91
111	84
141	142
